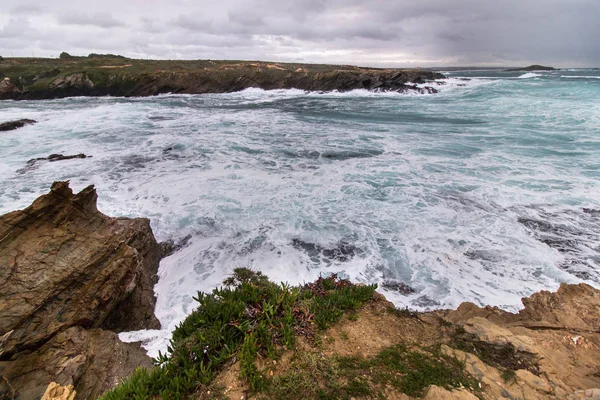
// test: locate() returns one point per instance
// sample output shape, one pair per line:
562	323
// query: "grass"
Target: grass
410	371
248	317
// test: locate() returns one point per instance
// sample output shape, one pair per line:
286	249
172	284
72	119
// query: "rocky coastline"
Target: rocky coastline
72	277
37	79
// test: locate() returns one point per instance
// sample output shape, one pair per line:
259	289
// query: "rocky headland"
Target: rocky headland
72	277
42	78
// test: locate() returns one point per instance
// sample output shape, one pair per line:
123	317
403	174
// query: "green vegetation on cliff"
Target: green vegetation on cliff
253	320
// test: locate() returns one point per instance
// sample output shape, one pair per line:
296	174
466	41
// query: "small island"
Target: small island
534	67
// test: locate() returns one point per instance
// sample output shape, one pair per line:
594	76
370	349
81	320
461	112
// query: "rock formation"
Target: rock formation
11	125
69	275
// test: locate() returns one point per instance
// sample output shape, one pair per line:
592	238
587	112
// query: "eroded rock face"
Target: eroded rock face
67	270
560	329
91	361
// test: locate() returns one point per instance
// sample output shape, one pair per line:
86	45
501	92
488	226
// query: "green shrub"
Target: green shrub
249	316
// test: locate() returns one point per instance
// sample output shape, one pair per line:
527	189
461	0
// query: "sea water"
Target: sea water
485	192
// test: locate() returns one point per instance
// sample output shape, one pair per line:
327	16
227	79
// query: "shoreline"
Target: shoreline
40	79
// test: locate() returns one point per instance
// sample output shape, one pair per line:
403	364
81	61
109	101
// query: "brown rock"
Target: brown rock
64	264
88	361
54	391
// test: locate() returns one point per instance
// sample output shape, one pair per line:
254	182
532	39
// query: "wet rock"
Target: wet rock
33	163
171	246
11	125
343	252
396	286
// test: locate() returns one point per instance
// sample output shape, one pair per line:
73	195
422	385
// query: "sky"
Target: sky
386	33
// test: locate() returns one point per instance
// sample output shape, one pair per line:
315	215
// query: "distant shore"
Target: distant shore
109	75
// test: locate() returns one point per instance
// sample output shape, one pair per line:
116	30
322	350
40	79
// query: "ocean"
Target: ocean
486	192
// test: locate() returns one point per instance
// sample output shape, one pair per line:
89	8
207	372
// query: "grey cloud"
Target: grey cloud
100	19
27	9
374	32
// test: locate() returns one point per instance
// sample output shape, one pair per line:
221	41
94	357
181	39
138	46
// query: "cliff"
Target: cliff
332	339
38	78
70	277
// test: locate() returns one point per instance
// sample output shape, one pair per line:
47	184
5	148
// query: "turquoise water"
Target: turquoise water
486	192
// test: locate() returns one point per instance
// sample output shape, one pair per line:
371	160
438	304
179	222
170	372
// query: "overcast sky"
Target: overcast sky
376	32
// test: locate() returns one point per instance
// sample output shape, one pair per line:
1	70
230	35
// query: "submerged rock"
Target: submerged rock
396	286
65	268
12	125
343	252
33	163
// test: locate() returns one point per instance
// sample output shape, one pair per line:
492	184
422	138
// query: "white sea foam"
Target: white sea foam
529	75
579	77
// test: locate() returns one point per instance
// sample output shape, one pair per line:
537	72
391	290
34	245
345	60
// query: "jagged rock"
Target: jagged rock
562	331
54	391
169	247
89	361
11	125
76	81
64	264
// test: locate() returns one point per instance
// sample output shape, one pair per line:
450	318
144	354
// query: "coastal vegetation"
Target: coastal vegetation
251	318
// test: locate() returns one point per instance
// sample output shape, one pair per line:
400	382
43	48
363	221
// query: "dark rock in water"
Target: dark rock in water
11	125
396	286
69	275
342	252
534	67
425	301
169	247
592	212
32	164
